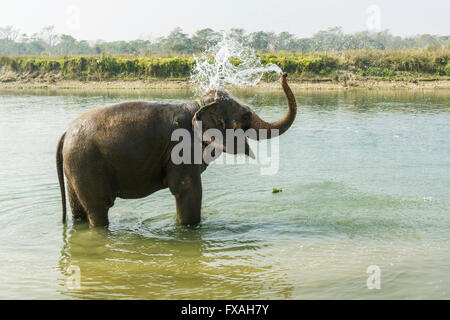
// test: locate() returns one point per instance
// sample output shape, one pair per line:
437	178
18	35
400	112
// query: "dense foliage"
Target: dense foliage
435	62
48	42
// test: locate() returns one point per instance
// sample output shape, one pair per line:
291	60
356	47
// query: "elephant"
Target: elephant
124	150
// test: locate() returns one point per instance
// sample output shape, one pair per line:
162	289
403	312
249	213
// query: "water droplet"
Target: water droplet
229	63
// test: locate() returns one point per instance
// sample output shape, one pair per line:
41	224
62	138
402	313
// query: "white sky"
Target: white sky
131	19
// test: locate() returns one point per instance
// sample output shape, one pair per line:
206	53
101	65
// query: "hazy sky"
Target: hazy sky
131	19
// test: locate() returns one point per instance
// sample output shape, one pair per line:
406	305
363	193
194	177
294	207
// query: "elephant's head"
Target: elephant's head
223	112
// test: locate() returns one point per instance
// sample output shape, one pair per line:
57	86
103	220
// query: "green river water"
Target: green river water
365	178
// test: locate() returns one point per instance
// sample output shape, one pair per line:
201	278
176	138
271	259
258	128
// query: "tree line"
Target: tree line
49	42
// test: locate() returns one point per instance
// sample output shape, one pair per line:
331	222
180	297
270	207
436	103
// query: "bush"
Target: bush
447	69
379	63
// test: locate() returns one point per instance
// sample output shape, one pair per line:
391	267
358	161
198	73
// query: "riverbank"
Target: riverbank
412	69
322	84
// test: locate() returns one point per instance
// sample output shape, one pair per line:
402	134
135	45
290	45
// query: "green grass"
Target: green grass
363	63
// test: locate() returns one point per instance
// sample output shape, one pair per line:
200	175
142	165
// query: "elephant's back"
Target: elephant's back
128	112
117	121
127	129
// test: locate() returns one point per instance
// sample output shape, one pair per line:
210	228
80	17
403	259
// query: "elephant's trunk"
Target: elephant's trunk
281	125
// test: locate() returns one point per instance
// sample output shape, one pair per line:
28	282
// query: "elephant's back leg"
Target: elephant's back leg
78	212
94	186
96	197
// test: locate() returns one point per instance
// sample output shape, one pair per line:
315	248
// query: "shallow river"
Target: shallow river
365	182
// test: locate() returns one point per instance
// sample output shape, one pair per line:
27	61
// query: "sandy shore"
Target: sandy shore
184	84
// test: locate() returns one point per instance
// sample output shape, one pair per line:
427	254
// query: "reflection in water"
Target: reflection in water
179	265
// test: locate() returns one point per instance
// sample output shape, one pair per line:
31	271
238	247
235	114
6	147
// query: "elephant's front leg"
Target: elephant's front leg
185	184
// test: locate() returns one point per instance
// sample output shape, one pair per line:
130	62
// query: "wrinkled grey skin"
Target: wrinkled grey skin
124	150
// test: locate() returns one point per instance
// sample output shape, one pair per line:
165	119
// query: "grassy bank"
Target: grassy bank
347	68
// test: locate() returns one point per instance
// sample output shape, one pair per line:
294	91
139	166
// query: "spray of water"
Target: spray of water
229	63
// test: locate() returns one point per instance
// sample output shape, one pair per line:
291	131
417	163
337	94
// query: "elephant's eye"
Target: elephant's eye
246	117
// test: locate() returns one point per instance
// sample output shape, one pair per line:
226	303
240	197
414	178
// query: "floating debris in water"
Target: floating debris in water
276	190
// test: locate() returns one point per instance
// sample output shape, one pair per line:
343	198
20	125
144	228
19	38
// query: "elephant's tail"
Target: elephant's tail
59	167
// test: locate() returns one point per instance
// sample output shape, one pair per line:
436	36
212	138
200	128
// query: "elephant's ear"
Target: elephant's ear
210	117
